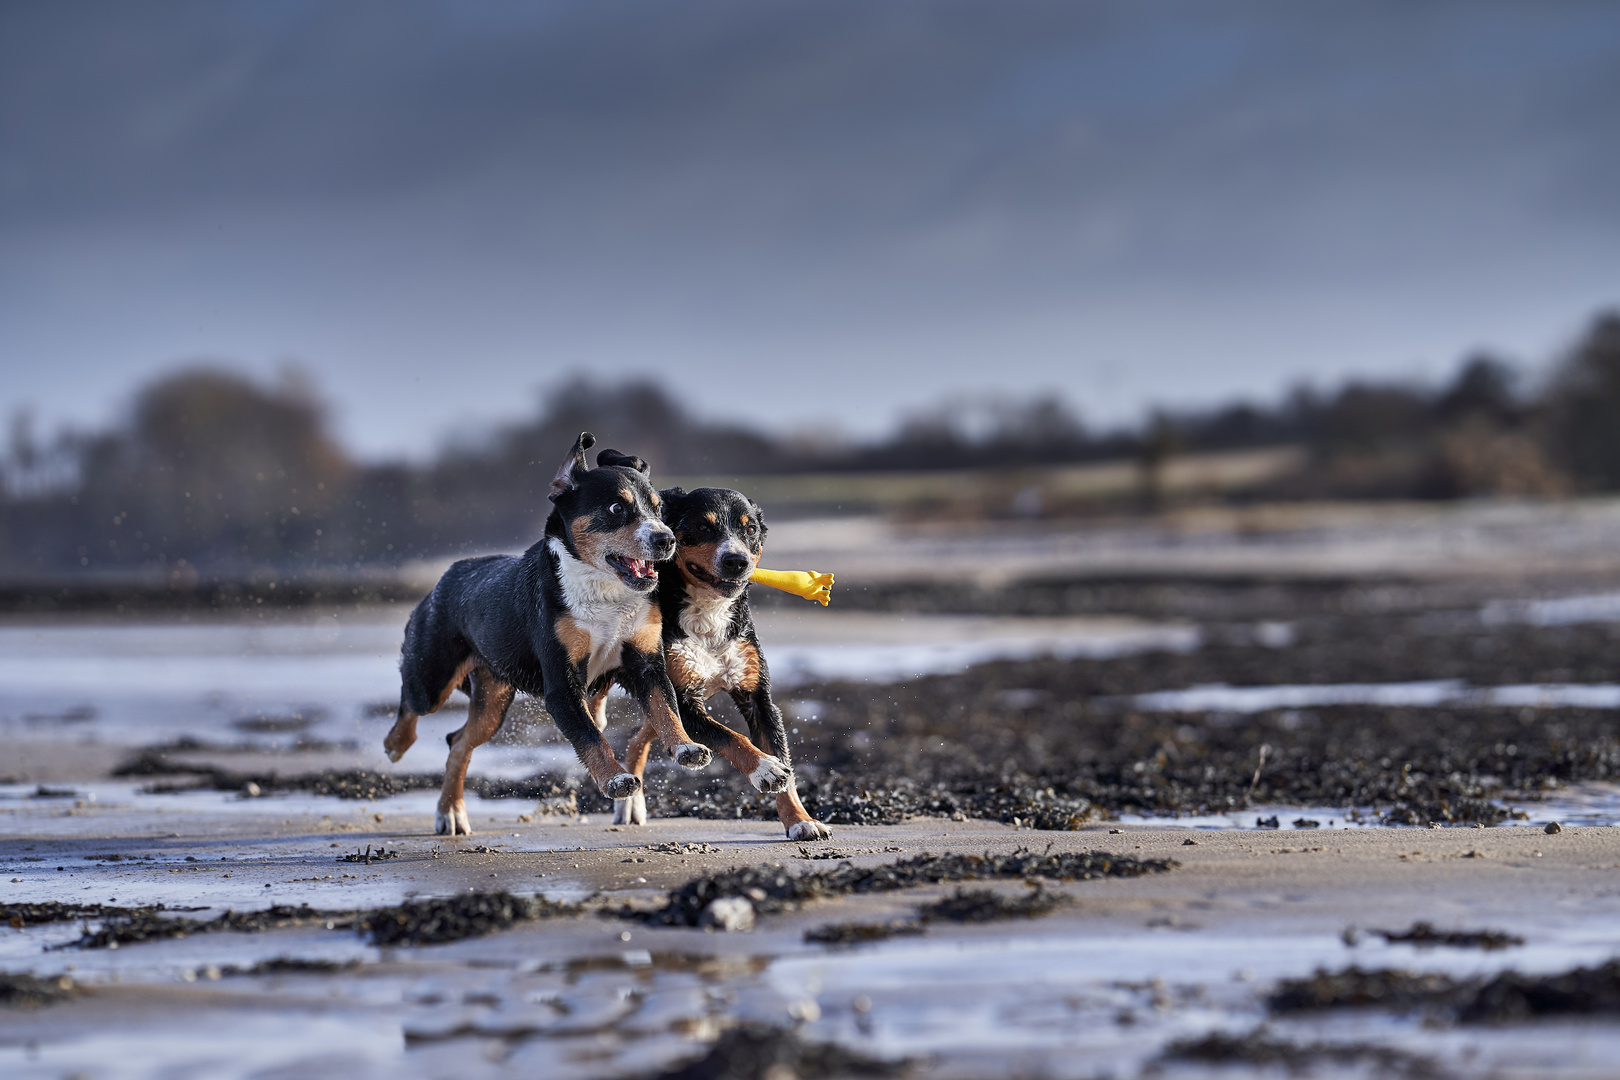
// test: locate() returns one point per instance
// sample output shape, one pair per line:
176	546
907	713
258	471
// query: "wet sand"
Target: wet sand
1107	984
1100	987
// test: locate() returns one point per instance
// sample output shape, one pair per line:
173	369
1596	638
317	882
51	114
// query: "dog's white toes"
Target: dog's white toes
395	755
770	775
452	822
631	811
622	786
693	755
809	830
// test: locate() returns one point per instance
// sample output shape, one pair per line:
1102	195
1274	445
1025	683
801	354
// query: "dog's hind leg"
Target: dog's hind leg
490	700
402	735
633	810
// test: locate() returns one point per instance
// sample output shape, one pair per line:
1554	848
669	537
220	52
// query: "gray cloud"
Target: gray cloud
1129	202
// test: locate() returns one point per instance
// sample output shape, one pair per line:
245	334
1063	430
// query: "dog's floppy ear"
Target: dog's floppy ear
607	459
573	467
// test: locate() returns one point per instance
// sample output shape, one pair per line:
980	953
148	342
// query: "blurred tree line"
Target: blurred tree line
212	470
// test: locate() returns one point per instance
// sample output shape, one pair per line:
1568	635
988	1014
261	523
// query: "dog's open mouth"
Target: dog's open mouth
704	577
637	573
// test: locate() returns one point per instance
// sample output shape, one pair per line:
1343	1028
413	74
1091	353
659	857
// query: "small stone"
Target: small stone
1189	841
252	790
1553	827
731	914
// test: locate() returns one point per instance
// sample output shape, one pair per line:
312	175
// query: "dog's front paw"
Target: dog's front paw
770	775
622	786
631	811
809	830
693	755
453	821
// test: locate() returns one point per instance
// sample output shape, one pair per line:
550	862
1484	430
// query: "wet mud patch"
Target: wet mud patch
772	889
754	1051
1504	998
1257	1049
23	991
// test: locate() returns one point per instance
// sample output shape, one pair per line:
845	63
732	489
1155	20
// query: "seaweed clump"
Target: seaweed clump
753	1050
1256	1048
987	905
1504	998
136	925
773	888
1425	936
21	990
428	922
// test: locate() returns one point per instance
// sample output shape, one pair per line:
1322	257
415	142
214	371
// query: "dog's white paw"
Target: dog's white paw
622	786
631	811
770	775
809	830
395	755
453	822
693	755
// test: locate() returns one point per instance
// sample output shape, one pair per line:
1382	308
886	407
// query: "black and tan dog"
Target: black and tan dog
710	646
566	620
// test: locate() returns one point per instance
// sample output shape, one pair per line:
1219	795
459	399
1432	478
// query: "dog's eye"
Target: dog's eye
616	509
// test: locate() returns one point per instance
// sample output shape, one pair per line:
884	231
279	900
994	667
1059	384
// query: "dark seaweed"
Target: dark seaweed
858	933
426	922
774	888
753	1051
1258	1049
418	922
18	916
1424	935
987	905
1507	997
24	991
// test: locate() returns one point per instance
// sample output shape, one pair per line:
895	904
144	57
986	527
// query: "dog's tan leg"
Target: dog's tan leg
795	819
490	700
646	679
402	735
633	810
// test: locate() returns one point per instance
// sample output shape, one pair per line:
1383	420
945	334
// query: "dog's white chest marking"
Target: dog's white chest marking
718	660
603	606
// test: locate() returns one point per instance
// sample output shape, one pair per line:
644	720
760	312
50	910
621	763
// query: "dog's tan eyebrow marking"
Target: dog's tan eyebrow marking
624	493
709	517
745	519
656	501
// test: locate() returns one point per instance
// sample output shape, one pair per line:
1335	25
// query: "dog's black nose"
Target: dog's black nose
733	565
663	547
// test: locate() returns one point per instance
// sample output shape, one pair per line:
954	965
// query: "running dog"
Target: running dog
564	621
710	646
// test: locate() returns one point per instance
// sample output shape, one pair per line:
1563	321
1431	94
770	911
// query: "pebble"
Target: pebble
731	914
1553	827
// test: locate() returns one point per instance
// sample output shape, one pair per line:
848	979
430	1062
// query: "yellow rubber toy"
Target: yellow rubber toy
805	583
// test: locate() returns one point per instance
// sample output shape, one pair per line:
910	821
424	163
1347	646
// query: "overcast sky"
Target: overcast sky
795	213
